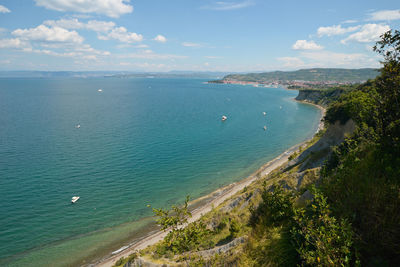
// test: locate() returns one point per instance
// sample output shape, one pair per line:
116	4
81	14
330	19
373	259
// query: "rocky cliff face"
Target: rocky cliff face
320	97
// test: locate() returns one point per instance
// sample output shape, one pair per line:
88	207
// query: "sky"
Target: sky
192	35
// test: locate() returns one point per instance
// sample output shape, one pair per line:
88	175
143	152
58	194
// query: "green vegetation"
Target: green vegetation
323	96
343	211
121	262
179	239
321	239
362	179
353	218
315	75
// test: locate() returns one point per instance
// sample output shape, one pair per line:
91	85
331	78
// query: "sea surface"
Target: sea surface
141	141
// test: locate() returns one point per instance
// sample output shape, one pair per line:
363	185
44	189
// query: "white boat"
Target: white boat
264	113
224	118
78	126
100	90
265	128
75	199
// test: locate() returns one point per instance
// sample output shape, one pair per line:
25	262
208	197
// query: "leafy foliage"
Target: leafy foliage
185	239
319	238
362	178
173	218
315	235
388	88
234	228
276	207
180	238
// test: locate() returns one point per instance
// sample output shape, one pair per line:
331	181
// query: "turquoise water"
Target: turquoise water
141	141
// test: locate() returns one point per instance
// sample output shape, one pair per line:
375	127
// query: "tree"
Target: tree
388	88
173	218
180	237
321	239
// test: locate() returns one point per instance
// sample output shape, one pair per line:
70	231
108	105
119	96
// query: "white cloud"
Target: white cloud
111	8
350	21
121	34
292	62
12	43
328	59
342	60
141	46
125	45
335	30
90	57
149	54
306	45
93	25
99	26
213	57
159	38
79	51
87	49
385	15
52	41
222	5
189	44
368	33
46	34
65	23
3	9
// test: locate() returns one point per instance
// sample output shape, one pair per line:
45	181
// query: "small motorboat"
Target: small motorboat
75	199
265	128
100	90
77	126
264	113
224	118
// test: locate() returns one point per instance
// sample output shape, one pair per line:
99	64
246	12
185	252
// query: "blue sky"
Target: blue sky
199	35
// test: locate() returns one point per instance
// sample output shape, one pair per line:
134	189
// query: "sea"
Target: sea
135	142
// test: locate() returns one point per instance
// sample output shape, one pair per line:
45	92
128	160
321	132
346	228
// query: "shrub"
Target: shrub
234	228
179	239
277	206
319	238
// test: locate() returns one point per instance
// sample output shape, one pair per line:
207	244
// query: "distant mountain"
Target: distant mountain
173	74
118	74
312	75
54	74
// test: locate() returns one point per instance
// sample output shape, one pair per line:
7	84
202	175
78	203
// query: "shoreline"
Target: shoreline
211	200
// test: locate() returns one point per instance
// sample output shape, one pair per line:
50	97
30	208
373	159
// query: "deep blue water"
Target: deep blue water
141	141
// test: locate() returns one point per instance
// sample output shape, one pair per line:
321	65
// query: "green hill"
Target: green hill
316	74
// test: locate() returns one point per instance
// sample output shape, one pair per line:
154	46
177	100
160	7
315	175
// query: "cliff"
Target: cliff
319	97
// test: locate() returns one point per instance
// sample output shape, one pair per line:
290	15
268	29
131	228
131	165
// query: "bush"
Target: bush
234	228
276	207
319	238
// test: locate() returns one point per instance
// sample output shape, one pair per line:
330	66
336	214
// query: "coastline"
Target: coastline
203	205
321	124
